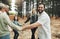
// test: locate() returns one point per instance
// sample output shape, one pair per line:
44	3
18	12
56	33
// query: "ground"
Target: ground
55	30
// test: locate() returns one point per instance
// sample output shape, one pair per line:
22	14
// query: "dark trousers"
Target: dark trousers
38	38
33	32
16	34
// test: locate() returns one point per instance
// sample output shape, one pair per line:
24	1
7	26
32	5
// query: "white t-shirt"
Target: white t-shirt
44	31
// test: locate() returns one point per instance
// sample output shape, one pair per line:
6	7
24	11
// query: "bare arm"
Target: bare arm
27	20
31	26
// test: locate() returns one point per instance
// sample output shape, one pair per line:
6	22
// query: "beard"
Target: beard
40	11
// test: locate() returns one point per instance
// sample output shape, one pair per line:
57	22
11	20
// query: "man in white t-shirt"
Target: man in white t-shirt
43	24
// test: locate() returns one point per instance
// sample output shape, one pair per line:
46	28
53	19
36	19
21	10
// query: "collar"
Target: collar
41	13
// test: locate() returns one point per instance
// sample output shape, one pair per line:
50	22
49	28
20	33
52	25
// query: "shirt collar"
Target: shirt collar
41	13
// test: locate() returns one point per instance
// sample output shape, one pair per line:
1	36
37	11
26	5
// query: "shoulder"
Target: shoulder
5	14
45	15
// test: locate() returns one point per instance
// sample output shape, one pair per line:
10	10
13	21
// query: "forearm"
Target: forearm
27	20
30	26
27	27
12	25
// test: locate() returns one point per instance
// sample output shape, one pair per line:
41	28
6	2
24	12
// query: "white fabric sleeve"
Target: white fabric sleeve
42	20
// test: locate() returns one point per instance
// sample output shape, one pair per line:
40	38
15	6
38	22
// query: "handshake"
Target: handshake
25	26
21	27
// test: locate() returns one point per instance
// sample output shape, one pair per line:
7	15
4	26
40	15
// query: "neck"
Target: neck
41	12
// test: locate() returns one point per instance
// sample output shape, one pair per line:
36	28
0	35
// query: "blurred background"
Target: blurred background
23	9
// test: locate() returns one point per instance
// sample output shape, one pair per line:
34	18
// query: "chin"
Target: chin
40	12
